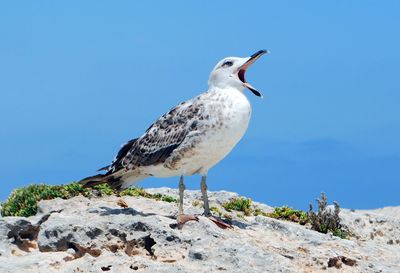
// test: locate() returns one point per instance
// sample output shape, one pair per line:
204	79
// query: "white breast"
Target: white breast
233	123
229	114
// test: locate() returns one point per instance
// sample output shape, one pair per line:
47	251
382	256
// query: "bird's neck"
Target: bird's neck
225	89
229	93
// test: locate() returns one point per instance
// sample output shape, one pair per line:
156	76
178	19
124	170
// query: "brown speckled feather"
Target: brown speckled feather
160	139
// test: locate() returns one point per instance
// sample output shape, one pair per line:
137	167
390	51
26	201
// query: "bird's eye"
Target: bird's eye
227	64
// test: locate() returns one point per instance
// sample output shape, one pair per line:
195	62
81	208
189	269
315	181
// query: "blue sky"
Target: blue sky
78	79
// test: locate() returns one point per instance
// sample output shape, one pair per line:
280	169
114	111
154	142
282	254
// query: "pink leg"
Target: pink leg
183	218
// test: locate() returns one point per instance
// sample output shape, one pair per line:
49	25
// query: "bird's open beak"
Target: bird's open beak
247	64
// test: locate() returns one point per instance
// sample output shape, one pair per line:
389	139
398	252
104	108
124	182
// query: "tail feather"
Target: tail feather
94	180
106	168
115	182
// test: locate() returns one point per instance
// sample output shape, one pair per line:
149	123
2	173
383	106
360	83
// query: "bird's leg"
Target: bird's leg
203	187
183	218
219	222
181	190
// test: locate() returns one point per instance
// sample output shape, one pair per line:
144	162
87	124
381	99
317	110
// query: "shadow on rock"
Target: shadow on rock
238	224
116	211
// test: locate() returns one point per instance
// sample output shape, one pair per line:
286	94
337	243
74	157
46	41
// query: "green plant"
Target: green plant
216	210
259	211
240	216
289	214
239	204
169	199
104	189
23	201
327	220
135	192
143	193
197	203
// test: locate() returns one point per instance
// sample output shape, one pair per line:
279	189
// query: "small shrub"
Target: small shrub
23	201
216	210
259	211
135	192
326	220
169	199
197	203
289	214
239	204
240	216
104	189
143	193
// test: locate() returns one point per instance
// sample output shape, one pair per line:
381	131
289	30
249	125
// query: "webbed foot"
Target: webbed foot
184	218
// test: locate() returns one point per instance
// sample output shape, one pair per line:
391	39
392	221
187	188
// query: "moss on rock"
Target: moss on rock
24	201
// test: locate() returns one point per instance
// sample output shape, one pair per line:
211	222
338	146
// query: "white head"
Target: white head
230	72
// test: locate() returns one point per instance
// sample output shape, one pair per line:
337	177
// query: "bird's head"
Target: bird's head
230	72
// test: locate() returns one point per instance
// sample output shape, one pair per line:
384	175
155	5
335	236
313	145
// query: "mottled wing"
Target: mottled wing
116	164
160	139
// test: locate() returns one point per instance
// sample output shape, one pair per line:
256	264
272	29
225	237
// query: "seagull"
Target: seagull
189	139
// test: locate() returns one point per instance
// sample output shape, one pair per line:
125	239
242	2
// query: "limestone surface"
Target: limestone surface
98	235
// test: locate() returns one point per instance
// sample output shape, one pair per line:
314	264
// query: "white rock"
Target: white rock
96	235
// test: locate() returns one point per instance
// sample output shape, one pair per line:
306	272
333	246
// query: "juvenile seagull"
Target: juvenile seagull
191	138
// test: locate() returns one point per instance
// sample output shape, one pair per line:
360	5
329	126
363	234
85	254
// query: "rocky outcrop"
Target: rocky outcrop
98	235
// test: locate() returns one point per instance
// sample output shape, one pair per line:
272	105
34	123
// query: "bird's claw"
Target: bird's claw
219	222
183	218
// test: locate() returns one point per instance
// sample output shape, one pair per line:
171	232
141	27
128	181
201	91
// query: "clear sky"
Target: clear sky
79	78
